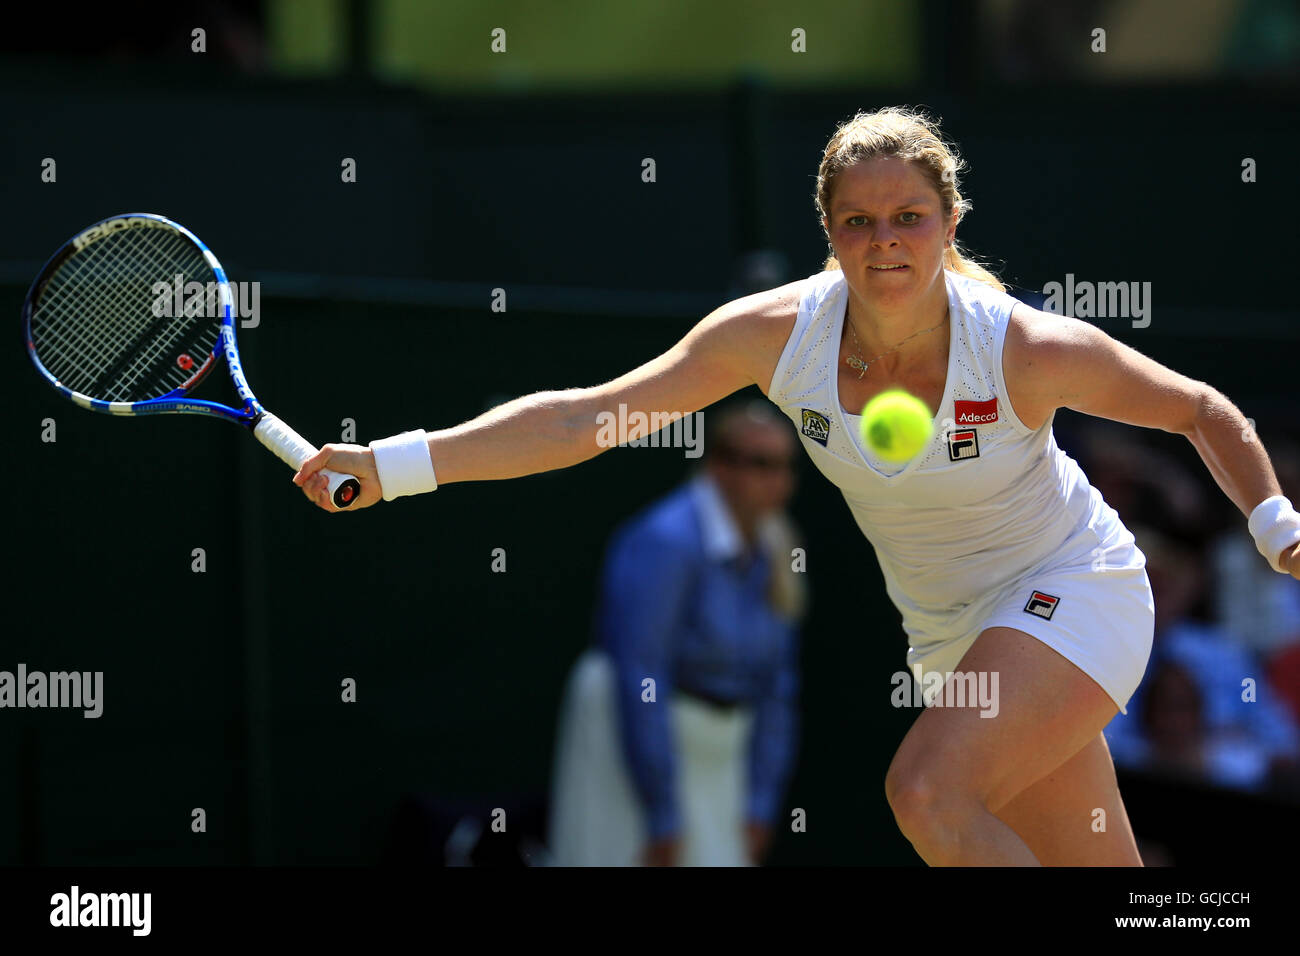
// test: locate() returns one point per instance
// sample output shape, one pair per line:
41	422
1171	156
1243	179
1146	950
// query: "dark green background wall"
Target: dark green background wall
222	688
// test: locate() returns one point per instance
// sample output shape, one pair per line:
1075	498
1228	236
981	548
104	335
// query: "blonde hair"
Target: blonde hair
911	136
778	535
787	593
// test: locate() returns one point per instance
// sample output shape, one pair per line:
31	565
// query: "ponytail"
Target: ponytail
954	261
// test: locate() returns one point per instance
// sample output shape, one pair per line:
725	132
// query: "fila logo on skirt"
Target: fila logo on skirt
1042	604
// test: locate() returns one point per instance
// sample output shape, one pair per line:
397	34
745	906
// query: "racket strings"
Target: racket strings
64	310
91	311
136	334
94	325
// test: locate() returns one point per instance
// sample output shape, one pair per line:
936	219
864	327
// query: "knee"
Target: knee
913	797
927	805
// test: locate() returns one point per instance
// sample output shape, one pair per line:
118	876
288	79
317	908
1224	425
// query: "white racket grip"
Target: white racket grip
292	449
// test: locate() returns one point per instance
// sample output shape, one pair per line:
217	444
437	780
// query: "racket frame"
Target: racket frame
273	433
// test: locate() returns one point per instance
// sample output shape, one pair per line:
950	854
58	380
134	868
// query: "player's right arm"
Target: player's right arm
736	345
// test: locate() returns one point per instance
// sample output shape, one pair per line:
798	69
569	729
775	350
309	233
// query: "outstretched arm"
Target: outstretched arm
1052	362
733	347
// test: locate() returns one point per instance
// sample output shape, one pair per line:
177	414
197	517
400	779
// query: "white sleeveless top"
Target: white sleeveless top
987	499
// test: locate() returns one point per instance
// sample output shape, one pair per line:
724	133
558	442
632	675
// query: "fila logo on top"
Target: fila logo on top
1042	604
964	440
963	443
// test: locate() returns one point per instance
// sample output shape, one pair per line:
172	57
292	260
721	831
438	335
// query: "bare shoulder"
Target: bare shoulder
1031	329
1052	361
1044	344
1030	355
736	345
759	326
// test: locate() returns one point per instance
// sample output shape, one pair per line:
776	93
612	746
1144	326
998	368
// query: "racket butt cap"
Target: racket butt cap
343	490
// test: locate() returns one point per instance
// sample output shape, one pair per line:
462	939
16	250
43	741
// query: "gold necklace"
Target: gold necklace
855	361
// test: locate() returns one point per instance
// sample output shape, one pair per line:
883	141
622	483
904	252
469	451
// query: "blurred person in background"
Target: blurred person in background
1140	479
1230	741
698	594
1173	718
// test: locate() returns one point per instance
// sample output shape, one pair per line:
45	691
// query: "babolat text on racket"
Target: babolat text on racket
100	326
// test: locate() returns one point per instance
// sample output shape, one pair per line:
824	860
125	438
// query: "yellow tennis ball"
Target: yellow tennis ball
896	425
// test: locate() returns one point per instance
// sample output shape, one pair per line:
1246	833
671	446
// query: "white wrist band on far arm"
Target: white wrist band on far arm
1276	527
404	464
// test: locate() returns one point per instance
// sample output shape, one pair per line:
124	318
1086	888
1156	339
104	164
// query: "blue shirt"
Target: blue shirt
682	602
1242	737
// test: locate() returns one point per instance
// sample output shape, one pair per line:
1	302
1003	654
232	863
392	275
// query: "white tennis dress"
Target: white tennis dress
991	524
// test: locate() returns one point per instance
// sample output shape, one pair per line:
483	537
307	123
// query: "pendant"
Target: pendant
857	363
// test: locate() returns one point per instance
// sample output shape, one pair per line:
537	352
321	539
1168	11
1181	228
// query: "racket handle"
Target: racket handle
292	449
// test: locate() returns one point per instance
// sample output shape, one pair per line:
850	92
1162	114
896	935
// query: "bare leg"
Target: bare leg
955	767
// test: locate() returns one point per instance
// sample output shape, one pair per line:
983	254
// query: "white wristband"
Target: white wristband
404	465
1276	527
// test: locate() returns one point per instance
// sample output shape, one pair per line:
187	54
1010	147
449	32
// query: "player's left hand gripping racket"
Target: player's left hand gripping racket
100	325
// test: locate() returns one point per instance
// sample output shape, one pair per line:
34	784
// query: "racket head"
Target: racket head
106	324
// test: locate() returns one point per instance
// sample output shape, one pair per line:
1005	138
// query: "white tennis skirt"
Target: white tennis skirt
1093	606
596	813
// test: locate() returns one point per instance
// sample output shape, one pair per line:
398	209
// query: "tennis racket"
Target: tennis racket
102	326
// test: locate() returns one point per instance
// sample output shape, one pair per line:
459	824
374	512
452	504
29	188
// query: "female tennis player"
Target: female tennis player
1001	557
